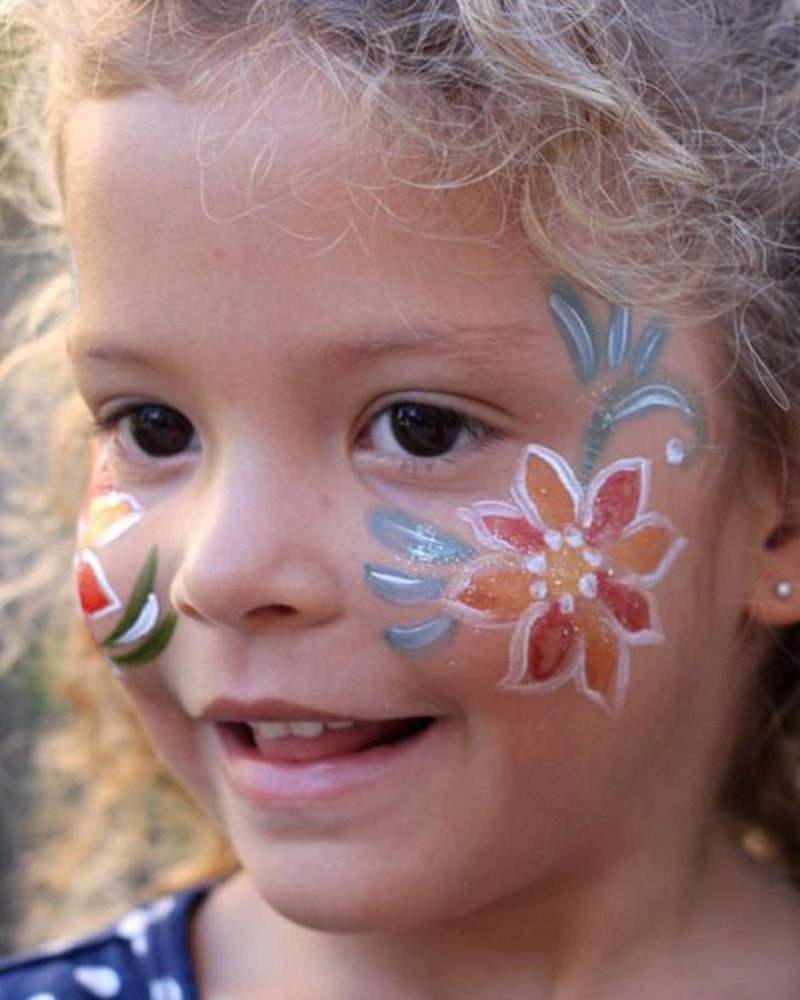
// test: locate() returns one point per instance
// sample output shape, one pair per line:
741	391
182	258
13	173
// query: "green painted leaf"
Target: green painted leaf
141	590
152	647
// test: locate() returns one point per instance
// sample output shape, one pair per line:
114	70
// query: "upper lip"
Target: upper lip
225	709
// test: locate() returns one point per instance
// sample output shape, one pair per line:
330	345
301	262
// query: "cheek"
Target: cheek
119	592
559	572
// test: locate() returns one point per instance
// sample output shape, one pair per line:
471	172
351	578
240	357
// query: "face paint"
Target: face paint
96	596
571	570
424	543
108	515
635	394
142	621
569	564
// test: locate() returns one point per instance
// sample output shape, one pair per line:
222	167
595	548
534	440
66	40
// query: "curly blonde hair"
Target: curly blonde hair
667	131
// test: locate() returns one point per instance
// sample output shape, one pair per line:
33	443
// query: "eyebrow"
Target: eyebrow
467	343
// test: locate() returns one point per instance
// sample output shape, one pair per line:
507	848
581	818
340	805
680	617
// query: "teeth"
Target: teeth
271	730
305	729
308	730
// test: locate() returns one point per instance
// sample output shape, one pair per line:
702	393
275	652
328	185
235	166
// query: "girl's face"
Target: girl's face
370	474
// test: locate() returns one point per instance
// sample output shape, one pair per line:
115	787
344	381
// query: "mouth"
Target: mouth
301	741
288	762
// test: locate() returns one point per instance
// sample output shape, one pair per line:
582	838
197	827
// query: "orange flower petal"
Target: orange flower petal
601	655
644	549
496	587
548	486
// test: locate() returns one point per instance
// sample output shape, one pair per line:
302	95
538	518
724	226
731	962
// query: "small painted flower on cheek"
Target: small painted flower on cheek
571	570
109	515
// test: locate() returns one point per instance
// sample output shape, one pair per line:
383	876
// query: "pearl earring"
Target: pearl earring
783	590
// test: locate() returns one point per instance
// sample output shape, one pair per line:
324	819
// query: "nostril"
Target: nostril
272	611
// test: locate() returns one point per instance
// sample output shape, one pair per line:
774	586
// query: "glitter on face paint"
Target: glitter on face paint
419	541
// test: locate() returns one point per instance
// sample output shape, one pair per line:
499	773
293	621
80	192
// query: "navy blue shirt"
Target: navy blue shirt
143	956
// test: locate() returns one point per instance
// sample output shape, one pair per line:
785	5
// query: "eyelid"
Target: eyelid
465	406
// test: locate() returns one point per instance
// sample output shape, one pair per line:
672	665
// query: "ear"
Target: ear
775	592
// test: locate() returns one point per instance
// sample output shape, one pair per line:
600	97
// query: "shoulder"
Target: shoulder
143	956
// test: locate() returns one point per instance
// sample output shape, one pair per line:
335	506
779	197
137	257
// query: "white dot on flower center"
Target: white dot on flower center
536	564
538	590
592	557
573	537
566	604
587	585
553	539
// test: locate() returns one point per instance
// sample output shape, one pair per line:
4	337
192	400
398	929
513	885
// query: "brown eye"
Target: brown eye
424	430
158	431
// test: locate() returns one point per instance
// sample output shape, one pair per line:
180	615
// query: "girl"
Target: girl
440	522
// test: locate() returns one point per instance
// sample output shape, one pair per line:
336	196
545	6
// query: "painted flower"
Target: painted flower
107	516
571	571
96	596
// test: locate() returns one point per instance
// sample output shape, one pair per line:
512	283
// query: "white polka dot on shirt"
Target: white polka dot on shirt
165	989
98	980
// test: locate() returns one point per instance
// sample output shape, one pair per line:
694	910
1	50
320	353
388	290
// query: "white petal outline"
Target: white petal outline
518	657
640	465
475	513
482	619
117	528
622	675
651	519
145	623
87	556
565	474
646	637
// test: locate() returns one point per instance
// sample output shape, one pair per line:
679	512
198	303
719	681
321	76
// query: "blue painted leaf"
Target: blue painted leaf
419	541
649	347
410	638
619	332
400	588
573	323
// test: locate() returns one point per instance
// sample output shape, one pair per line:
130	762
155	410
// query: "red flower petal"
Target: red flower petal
549	643
628	606
516	532
90	591
615	499
95	594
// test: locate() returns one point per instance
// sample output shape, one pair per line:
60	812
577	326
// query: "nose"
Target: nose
258	551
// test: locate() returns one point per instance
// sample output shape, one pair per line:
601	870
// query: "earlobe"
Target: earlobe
775	596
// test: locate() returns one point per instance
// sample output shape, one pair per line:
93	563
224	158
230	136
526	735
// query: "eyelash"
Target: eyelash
479	434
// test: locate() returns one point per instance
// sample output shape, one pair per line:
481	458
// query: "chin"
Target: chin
338	903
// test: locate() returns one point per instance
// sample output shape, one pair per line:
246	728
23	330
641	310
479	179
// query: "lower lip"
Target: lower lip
267	782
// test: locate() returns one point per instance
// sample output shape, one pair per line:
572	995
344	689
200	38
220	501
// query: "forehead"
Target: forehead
172	206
